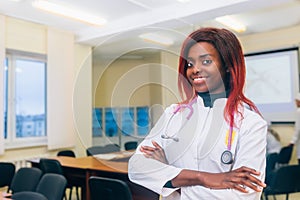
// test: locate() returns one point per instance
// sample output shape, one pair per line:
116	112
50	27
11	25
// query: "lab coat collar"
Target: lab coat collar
218	102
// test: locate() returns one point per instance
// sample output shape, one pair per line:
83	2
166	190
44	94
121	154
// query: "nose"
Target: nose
196	69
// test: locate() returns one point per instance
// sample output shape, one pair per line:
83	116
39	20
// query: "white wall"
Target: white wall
82	100
64	64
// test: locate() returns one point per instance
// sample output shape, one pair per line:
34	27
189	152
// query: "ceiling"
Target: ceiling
127	19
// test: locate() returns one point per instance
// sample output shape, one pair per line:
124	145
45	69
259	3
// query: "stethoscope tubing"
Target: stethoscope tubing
227	152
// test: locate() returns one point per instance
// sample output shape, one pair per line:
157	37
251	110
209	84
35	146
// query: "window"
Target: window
130	121
24	99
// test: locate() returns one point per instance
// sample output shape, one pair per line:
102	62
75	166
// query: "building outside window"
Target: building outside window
24	97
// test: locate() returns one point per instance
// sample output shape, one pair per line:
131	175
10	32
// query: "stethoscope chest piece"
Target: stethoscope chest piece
227	157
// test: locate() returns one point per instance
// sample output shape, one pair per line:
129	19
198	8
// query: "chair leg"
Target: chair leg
77	193
287	197
70	195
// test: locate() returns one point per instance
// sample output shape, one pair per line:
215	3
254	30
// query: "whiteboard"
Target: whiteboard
272	82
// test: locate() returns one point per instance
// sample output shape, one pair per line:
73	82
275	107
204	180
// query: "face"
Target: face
205	71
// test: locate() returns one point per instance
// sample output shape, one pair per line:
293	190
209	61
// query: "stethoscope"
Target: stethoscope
178	108
226	156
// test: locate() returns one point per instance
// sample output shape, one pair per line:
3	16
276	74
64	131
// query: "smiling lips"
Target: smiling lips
199	80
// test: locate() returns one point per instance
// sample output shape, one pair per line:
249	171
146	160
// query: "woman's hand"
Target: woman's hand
239	179
155	152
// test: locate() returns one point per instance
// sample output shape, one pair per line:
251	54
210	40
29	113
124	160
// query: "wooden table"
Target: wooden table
82	168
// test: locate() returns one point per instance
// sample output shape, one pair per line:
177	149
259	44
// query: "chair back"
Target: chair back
131	145
285	180
271	162
52	186
285	155
7	172
25	179
108	189
28	195
109	148
68	153
53	166
48	165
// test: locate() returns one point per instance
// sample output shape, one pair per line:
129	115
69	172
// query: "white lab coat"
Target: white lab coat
296	137
202	140
273	145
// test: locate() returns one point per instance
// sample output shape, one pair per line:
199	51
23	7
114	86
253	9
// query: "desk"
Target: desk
82	168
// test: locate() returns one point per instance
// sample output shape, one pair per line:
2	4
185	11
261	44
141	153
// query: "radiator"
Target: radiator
22	162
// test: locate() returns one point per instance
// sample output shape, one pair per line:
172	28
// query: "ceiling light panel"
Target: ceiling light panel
232	23
152	4
66	11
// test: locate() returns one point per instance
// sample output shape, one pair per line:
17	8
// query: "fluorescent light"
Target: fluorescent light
67	12
156	38
232	23
183	1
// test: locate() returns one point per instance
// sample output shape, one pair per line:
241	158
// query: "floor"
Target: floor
294	196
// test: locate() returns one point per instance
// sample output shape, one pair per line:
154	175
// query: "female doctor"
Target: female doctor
211	145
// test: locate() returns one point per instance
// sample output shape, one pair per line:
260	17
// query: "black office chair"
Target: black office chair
271	162
53	166
7	172
109	148
68	153
285	180
284	156
28	195
130	145
52	186
108	189
25	179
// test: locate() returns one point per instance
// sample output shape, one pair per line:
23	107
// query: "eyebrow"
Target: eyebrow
201	56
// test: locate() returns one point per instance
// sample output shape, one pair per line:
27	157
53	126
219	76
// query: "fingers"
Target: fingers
243	178
147	150
249	175
155	152
238	187
247	169
156	145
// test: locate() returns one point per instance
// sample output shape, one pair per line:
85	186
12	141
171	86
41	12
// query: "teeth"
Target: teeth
199	80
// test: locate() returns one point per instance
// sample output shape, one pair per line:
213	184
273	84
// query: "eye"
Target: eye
189	64
206	62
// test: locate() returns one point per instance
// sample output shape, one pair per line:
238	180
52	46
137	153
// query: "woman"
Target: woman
199	148
296	137
273	141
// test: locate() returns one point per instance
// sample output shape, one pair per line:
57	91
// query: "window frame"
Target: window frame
12	142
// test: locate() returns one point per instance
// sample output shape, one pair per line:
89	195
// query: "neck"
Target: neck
209	99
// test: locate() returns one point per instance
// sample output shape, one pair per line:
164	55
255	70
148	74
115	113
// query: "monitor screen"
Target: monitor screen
272	81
